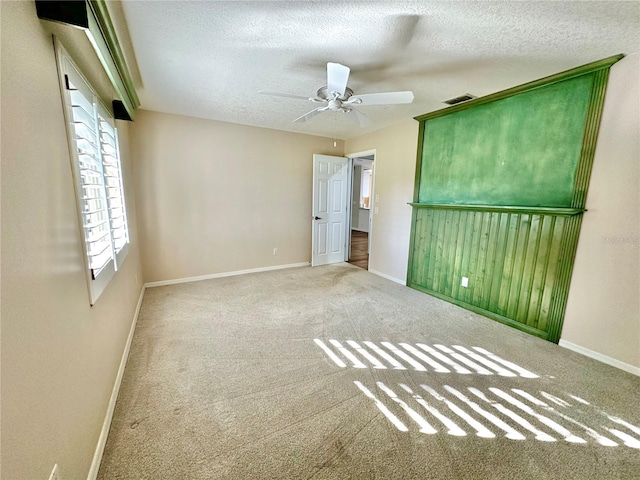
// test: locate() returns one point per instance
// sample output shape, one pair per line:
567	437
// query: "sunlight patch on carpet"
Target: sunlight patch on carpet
422	358
514	414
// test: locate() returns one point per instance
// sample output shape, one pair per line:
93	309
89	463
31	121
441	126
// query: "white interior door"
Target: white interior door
330	188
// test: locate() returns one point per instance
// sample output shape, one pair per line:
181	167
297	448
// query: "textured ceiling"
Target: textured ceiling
210	59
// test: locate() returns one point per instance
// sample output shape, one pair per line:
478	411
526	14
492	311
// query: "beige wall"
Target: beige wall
395	166
217	197
603	311
59	356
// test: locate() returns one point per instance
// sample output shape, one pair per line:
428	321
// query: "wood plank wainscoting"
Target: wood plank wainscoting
510	257
500	191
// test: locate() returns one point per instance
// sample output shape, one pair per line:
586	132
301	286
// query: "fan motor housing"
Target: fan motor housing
324	94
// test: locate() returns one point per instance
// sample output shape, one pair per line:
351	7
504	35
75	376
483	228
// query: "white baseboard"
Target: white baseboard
388	277
102	440
162	283
600	357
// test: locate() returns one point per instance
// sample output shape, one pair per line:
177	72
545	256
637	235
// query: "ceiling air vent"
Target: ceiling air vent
460	99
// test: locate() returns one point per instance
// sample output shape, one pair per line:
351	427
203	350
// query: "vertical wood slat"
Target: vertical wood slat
556	233
466	251
416	244
521	252
533	248
479	274
439	234
553	261
445	273
540	267
513	235
413	264
490	266
511	259
473	246
452	227
568	247
458	253
501	256
592	126
433	235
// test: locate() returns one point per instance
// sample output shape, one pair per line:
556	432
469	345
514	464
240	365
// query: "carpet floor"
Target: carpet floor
335	373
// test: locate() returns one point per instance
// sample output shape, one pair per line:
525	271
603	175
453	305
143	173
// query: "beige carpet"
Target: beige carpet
335	373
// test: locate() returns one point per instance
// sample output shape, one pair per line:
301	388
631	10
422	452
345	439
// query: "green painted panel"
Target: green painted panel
534	139
500	189
510	260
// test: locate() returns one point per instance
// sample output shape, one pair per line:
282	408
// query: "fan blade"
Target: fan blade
310	114
387	98
285	95
337	78
360	118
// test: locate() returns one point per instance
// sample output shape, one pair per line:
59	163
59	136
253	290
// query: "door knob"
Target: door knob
317	218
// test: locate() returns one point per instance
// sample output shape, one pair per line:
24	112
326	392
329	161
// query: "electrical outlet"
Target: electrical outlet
465	282
275	251
377	198
55	475
375	211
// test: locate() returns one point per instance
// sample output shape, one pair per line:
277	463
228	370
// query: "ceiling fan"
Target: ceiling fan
337	97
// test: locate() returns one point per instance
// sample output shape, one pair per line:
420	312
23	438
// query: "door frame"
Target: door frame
351	156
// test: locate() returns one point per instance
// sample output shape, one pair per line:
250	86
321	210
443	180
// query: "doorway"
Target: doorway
362	206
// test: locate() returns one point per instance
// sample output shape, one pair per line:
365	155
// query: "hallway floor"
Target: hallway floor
359	249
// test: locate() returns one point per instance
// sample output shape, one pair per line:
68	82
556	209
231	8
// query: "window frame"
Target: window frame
70	74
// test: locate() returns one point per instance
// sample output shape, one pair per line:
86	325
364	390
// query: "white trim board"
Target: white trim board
364	153
162	283
600	357
388	277
106	425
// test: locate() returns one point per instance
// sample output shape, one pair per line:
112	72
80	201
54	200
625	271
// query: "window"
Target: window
365	188
95	159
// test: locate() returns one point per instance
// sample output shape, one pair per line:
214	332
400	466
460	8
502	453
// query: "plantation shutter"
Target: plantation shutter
113	180
93	193
97	171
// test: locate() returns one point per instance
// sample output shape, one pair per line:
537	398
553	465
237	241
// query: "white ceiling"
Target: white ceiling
210	59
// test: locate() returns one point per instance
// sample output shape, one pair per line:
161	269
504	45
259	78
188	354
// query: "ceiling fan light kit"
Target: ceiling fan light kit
340	98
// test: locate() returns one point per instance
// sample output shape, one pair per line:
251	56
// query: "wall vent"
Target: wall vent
460	99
